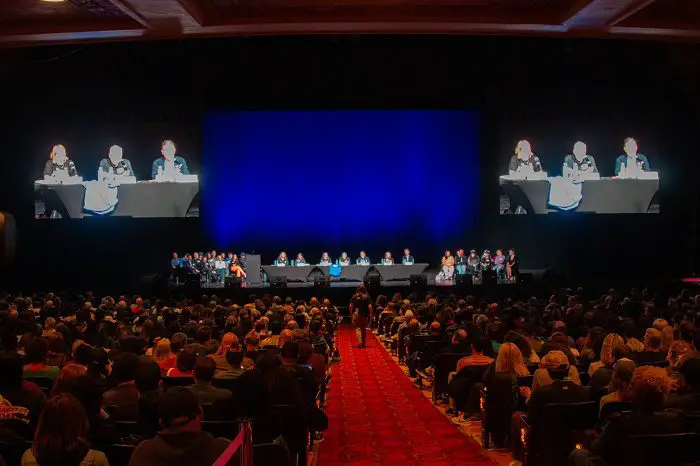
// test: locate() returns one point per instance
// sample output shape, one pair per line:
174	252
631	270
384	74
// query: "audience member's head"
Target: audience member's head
147	376
65	378
37	351
622	376
204	370
652	340
124	367
459	337
510	360
61	438
187	358
677	351
556	363
178	409
610	343
162	350
285	336
177	342
649	388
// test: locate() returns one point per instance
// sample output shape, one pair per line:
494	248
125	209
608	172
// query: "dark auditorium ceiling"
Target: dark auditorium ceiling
34	22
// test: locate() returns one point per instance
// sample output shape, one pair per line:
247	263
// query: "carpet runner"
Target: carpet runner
377	417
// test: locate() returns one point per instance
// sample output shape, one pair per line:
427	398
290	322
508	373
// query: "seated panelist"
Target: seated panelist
407	258
236	267
473	262
169	165
387	259
344	259
524	162
282	260
579	162
363	259
325	259
300	260
632	163
486	260
59	165
115	164
461	262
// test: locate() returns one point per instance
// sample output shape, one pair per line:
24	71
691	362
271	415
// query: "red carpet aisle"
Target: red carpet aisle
377	417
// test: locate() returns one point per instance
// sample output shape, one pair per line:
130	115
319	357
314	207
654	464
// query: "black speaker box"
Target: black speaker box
278	281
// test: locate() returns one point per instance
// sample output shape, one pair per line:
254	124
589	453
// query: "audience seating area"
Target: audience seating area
168	381
573	378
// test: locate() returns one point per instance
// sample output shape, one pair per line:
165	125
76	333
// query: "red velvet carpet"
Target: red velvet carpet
377	417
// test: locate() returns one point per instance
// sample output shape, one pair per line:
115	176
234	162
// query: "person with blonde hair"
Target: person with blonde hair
653	352
163	355
59	165
510	360
619	384
607	358
524	160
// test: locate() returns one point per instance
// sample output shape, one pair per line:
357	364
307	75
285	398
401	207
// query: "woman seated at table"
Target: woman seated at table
59	166
344	259
325	259
282	259
524	162
235	267
387	259
115	164
300	260
632	163
579	162
448	267
363	259
511	266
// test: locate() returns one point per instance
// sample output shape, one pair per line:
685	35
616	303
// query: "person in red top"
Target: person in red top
186	361
163	355
137	307
477	357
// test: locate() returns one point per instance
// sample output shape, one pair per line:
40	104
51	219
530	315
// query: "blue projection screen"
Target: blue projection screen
340	180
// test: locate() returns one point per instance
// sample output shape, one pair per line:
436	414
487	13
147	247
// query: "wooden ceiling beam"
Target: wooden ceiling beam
602	14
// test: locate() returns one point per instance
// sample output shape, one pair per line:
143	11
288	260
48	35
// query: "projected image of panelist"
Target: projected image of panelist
169	167
525	164
344	259
363	259
407	258
325	260
59	168
387	259
580	165
632	164
282	260
114	165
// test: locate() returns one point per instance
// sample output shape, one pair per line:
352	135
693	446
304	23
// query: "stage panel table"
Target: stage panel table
603	196
348	272
140	199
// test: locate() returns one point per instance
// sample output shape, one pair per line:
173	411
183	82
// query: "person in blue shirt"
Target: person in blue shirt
407	258
363	259
169	163
632	162
175	262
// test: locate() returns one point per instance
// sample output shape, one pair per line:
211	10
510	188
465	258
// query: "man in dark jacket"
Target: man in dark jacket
182	441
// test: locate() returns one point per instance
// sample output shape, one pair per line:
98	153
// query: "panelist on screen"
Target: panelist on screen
59	165
363	259
300	260
115	164
579	162
524	161
325	259
387	259
170	164
632	163
282	259
407	258
344	259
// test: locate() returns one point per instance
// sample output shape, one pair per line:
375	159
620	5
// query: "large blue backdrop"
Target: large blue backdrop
346	180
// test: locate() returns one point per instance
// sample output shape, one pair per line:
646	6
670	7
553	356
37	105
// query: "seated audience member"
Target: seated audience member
148	384
649	389
458	345
57	350
553	360
163	355
272	341
186	360
65	379
103	433
61	438
653	353
610	343
477	357
121	402
687	396
218	398
36	355
15	391
285	336
308	357
182	442
619	385
229	365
